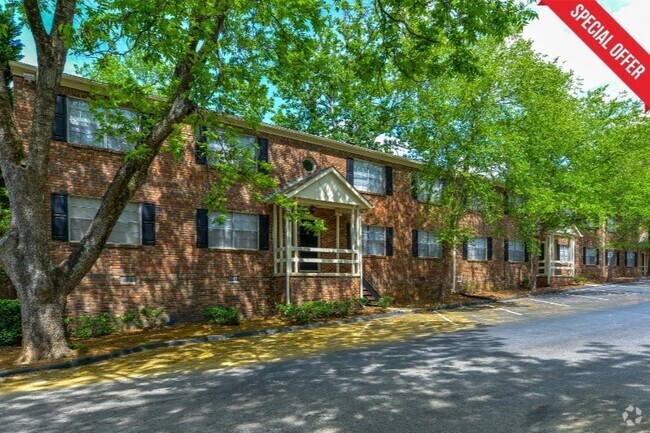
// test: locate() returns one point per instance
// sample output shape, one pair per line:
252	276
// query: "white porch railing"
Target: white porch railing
350	258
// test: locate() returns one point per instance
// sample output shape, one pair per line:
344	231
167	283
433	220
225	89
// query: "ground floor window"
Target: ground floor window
428	245
233	230
477	249
612	258
516	251
374	240
563	253
82	211
591	256
630	259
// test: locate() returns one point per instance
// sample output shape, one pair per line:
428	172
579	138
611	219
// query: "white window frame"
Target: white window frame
365	231
435	191
515	253
428	245
628	255
561	249
213	225
473	249
71	200
235	140
591	253
367	187
97	142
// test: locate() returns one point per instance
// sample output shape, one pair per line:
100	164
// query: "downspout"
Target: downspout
453	269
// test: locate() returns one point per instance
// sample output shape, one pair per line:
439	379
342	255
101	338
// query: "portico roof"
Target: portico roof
327	188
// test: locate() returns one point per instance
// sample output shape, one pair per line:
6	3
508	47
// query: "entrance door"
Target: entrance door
307	239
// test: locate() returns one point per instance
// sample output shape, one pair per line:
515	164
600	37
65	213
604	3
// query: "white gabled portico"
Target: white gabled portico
327	189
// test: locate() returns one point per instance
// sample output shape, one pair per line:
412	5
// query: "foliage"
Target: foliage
153	317
385	301
10	330
129	320
10	45
90	326
313	311
580	279
222	315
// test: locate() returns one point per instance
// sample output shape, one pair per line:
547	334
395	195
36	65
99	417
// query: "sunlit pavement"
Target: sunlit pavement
572	361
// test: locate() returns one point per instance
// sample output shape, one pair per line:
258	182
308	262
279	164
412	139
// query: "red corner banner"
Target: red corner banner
600	31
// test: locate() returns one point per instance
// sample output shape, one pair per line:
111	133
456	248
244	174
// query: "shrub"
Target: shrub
10	328
314	310
222	315
130	320
92	326
361	302
579	279
385	301
153	317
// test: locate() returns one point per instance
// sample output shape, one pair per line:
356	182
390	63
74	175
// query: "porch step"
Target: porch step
370	293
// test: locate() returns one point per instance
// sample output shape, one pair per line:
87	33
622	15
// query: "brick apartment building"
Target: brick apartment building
168	251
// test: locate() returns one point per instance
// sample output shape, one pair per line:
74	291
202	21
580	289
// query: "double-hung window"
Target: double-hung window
83	127
591	256
630	259
236	231
428	192
374	240
230	148
612	258
516	251
477	249
82	211
369	177
563	254
428	245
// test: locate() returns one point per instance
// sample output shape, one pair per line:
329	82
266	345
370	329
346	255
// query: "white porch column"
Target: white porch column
288	242
572	259
295	252
359	242
338	240
549	259
275	239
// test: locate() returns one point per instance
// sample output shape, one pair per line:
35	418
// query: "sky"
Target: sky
551	37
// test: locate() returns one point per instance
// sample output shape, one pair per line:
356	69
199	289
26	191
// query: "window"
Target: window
83	127
563	254
612	258
374	240
225	147
630	259
428	245
429	192
591	256
516	251
238	231
477	249
369	177
83	210
309	165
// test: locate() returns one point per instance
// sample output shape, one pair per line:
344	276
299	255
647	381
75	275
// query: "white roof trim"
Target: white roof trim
328	186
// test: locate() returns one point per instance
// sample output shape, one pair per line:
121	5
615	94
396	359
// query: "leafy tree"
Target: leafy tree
167	60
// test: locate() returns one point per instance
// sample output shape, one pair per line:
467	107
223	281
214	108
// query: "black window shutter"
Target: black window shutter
60	127
60	217
557	251
506	253
262	152
389	241
465	254
200	150
584	255
388	179
348	229
636	257
148	224
264	232
414	244
620	262
542	251
597	257
202	228
489	248
349	170
414	186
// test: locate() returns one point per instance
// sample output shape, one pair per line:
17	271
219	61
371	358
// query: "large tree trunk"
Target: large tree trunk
534	269
610	272
448	272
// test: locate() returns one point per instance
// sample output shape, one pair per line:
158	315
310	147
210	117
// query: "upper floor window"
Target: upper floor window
237	231
426	192
369	177
214	147
516	251
427	244
83	127
82	211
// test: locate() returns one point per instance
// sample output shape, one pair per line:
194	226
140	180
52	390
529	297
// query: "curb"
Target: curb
78	362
